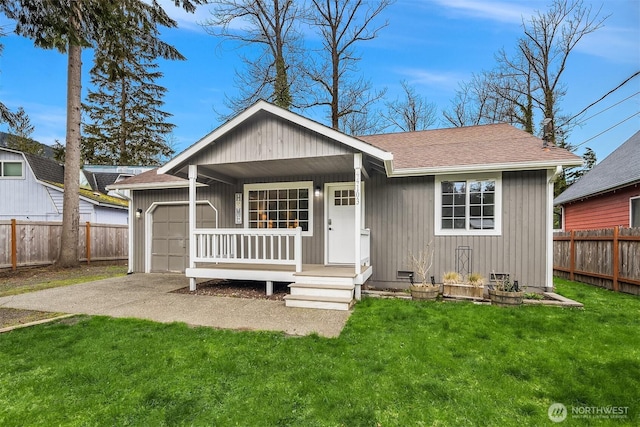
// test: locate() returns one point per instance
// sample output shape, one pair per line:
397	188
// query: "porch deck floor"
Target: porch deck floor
307	269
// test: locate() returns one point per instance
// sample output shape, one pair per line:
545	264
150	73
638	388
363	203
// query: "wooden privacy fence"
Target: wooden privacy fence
30	243
608	258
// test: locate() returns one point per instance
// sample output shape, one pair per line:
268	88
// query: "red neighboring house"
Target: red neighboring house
608	195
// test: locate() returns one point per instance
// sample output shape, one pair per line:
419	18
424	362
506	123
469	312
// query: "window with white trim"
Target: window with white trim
280	205
11	170
468	205
634	220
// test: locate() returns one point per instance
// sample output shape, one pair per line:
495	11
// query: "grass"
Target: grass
396	363
30	280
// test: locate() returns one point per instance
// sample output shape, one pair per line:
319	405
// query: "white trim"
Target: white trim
278	186
148	226
631	199
152	185
327	200
552	176
469	169
261	105
496	231
22	176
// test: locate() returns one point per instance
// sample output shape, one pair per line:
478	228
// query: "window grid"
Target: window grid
468	205
344	198
279	208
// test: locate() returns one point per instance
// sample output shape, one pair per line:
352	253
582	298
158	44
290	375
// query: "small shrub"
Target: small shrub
476	279
451	278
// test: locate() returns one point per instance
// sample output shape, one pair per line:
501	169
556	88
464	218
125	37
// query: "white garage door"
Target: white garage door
170	235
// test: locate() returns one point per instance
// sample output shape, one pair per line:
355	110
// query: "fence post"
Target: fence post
616	258
572	255
88	243
14	255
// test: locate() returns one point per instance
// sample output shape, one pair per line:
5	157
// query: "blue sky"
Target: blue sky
432	44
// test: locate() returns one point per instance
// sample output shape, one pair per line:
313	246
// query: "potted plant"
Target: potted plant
455	286
421	265
476	281
505	292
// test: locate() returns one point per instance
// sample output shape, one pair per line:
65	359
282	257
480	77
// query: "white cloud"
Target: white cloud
616	44
507	12
444	80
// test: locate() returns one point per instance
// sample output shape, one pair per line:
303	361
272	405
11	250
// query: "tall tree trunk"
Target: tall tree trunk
68	256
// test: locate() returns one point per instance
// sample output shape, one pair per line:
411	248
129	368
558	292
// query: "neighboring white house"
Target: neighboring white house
32	187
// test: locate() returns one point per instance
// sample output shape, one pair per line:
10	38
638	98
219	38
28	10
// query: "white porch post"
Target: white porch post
551	179
357	166
193	174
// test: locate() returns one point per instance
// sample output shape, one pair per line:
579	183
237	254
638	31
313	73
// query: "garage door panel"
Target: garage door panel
176	263
177	246
170	239
176	229
160	246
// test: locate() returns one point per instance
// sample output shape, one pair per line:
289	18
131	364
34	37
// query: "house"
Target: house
608	195
32	189
274	196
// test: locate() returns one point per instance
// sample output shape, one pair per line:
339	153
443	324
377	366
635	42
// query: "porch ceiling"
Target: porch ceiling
230	172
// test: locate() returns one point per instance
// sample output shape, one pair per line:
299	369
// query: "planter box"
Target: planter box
425	292
506	299
462	290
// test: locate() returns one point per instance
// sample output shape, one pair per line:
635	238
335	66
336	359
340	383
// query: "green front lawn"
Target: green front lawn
397	363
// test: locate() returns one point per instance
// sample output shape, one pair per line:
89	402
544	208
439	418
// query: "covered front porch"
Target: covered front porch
290	196
269	247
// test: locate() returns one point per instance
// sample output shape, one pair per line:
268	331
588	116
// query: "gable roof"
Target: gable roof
150	180
618	169
182	159
494	147
469	149
51	174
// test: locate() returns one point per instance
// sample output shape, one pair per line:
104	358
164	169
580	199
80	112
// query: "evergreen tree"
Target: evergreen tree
20	131
125	123
69	26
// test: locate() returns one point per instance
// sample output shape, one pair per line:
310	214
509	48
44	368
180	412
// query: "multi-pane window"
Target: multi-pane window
467	205
279	207
344	197
11	170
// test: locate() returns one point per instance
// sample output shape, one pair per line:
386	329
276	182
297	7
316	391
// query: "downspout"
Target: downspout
552	176
193	175
129	232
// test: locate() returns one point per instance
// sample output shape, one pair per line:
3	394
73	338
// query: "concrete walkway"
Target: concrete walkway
147	296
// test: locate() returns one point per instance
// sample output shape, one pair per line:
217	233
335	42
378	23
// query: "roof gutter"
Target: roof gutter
152	186
499	167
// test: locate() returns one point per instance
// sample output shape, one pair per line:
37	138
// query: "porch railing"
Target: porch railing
242	245
365	247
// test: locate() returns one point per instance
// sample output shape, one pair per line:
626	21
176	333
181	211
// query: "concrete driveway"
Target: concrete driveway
147	296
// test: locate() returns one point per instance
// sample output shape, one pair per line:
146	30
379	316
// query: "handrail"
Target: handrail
249	245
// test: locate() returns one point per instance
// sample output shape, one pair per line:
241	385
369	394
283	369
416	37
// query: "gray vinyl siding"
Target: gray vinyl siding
264	138
400	213
222	196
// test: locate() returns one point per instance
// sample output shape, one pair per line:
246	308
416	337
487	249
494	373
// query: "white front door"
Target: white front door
340	223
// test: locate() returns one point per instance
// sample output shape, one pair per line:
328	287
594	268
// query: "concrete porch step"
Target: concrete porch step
318	302
322	290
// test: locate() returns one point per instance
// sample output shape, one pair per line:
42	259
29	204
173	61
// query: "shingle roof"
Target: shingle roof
493	144
150	177
46	169
618	169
